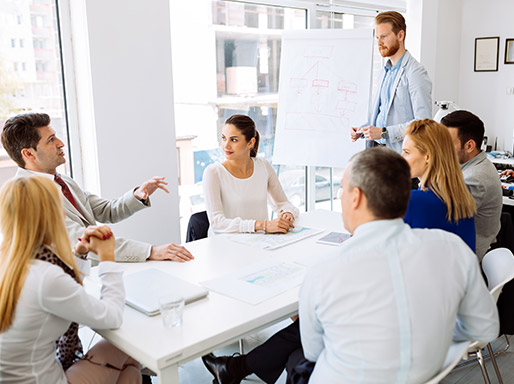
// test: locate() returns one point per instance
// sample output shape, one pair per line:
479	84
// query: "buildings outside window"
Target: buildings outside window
32	70
226	60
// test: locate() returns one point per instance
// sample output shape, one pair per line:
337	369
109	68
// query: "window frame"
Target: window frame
311	8
71	105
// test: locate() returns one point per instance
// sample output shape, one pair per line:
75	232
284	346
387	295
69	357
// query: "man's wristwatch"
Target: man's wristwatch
385	135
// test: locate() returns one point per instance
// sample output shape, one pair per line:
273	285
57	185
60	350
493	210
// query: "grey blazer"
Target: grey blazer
94	208
411	99
484	184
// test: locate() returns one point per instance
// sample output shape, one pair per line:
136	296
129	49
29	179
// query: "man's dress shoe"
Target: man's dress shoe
218	367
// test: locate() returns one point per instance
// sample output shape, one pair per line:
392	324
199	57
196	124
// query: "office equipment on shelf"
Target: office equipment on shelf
144	288
505	178
445	107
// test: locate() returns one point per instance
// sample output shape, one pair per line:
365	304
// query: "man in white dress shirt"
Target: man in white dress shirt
387	308
32	144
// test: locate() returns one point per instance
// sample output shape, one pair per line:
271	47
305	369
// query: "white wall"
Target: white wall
441	33
433	37
131	77
447	55
484	93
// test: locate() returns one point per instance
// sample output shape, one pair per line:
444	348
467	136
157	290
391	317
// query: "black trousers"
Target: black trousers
281	351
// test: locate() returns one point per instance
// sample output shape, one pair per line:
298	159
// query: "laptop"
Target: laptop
144	288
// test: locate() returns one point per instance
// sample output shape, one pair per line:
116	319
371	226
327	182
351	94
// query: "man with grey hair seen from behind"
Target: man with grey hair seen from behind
388	306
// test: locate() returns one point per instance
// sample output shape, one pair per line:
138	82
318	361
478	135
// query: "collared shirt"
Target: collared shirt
391	71
83	265
410	100
42	174
49	301
385	310
483	182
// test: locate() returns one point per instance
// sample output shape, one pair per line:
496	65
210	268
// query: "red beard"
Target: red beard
389	51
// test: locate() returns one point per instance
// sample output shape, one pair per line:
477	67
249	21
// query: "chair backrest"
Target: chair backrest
505	238
453	356
498	266
198	226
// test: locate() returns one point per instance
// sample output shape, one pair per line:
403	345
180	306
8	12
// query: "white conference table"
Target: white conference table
218	320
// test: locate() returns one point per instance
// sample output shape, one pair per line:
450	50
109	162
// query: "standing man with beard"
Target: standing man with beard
405	90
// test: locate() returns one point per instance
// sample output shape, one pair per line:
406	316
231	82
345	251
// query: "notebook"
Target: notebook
144	288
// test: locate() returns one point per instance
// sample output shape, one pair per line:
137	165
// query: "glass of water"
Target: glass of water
172	310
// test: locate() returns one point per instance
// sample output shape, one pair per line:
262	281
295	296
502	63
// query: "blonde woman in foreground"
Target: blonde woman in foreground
42	298
442	201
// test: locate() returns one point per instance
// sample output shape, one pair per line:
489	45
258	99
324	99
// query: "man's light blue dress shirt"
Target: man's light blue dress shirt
385	310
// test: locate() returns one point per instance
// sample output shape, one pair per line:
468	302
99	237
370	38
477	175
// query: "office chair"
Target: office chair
505	239
455	353
197	227
498	266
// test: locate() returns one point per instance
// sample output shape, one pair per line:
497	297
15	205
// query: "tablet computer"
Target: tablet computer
334	238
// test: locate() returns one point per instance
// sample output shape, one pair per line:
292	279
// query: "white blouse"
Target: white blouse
49	301
233	204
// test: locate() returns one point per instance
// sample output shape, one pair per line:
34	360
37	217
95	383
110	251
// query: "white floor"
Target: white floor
194	372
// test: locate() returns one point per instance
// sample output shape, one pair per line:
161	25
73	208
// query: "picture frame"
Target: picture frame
486	54
509	51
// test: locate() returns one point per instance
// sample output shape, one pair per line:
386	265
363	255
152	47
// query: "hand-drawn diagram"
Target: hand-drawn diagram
320	93
324	91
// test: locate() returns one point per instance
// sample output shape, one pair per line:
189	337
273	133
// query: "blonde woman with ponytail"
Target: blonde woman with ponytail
443	201
42	298
237	191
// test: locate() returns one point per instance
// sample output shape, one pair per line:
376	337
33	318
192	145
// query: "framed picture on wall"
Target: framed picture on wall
486	54
509	51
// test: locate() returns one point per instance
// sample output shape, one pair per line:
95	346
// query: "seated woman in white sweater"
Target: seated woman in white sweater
237	190
42	298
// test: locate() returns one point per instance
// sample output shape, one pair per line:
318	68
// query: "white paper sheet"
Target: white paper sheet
259	282
274	241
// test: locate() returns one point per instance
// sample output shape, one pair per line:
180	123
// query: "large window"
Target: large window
226	60
30	68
